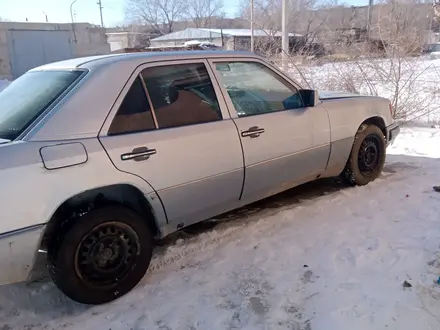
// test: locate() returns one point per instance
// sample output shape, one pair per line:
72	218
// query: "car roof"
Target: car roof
92	62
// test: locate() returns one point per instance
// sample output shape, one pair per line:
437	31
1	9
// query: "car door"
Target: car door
284	143
170	128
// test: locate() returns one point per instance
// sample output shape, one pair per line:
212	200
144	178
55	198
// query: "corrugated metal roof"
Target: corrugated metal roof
190	33
194	33
247	32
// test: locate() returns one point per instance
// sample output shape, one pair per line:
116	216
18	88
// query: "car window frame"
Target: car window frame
147	96
137	73
231	108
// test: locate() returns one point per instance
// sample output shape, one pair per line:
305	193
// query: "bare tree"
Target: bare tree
382	62
267	14
160	14
139	36
201	12
401	27
396	74
301	19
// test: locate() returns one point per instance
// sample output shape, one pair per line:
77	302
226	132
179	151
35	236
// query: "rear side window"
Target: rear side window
181	95
134	114
26	98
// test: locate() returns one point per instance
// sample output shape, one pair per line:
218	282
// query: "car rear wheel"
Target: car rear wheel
367	156
102	256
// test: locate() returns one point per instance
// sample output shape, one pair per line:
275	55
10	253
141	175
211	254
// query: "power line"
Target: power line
99	3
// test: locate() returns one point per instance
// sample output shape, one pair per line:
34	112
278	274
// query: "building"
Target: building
26	45
229	39
131	37
125	39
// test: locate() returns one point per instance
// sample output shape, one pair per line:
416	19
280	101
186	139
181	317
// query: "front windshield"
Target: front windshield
29	96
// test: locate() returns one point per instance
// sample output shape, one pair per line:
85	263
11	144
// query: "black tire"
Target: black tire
102	256
369	148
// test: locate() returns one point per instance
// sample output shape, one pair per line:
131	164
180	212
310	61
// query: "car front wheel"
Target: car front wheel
102	256
367	156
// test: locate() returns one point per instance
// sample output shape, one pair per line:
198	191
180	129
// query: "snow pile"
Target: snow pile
417	141
3	84
320	257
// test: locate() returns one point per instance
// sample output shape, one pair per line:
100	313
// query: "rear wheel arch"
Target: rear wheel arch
103	255
82	203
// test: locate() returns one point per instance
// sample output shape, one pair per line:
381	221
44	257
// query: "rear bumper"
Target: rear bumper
18	252
392	131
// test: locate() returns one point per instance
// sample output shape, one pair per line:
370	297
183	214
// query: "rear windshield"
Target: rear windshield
29	96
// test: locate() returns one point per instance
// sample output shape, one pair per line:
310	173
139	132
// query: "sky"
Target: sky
58	11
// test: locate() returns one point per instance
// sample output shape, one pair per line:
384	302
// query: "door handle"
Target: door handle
139	154
253	132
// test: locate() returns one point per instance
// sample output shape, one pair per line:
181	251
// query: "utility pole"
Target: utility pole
284	33
99	3
370	8
252	25
209	22
73	22
434	17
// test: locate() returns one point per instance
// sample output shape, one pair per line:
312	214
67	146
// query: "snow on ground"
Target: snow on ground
319	257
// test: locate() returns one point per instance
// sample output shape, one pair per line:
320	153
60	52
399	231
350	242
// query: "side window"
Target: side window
181	95
255	89
134	114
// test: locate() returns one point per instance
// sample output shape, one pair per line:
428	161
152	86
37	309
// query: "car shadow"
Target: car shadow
289	197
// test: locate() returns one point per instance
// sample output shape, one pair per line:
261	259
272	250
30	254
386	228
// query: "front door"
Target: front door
170	129
284	143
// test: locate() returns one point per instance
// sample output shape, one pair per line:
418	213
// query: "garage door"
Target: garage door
31	48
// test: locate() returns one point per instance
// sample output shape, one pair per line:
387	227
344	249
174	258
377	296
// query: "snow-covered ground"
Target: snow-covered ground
319	257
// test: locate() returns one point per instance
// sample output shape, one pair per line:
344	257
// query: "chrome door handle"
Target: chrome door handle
139	154
253	132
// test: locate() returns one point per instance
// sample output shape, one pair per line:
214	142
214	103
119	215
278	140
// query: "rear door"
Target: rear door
284	143
170	128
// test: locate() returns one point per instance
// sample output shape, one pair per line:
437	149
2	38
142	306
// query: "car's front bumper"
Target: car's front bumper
392	131
18	252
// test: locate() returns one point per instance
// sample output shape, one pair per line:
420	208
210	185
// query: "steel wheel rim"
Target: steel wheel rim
369	155
106	255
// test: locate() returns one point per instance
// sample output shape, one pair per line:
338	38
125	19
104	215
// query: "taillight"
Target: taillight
391	109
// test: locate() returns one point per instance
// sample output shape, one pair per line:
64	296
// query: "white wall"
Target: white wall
90	40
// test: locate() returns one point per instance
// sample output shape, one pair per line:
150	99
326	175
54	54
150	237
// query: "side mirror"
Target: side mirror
310	97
